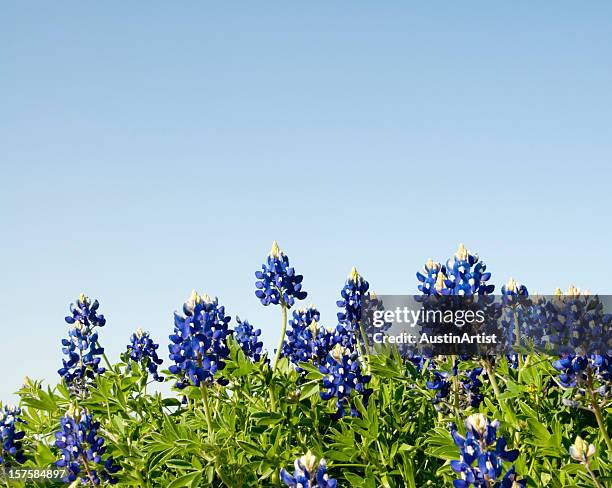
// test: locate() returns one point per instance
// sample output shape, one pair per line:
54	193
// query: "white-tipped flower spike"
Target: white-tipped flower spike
314	327
309	461
477	422
573	291
462	253
82	299
431	264
581	450
338	352
558	292
439	286
275	252
192	301
512	285
72	412
354	275
139	333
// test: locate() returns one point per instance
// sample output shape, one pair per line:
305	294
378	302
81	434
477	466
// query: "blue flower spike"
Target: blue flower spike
308	474
84	353
82	449
277	283
342	375
199	342
248	339
143	350
11	446
307	340
481	455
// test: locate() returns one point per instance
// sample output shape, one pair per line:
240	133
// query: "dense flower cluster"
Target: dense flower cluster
514	292
143	350
277	281
573	323
306	340
342	374
248	339
482	453
463	274
11	448
82	346
82	450
308	474
353	295
199	343
575	371
468	382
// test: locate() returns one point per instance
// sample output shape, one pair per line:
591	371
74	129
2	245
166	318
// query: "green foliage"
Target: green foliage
262	421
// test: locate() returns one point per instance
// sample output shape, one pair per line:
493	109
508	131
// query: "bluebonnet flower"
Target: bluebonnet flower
82	347
342	374
512	291
575	326
575	369
11	447
515	318
353	295
308	474
199	343
573	323
277	281
441	384
481	455
463	274
306	340
469	385
509	480
581	450
248	339
144	351
83	449
472	385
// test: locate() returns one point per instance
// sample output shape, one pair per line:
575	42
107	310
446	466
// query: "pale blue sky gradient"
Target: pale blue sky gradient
148	148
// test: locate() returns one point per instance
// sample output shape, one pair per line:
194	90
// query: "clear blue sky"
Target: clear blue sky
149	148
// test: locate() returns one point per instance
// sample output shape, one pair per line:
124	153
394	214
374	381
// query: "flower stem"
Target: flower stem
206	402
597	410
87	470
492	379
108	364
595	480
517	334
282	337
364	337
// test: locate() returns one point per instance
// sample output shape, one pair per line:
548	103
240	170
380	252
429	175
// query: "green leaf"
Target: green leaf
185	480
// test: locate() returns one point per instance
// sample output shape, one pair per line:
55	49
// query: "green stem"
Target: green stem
364	337
272	397
597	411
517	334
595	480
282	337
456	387
108	364
206	402
87	470
492	379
